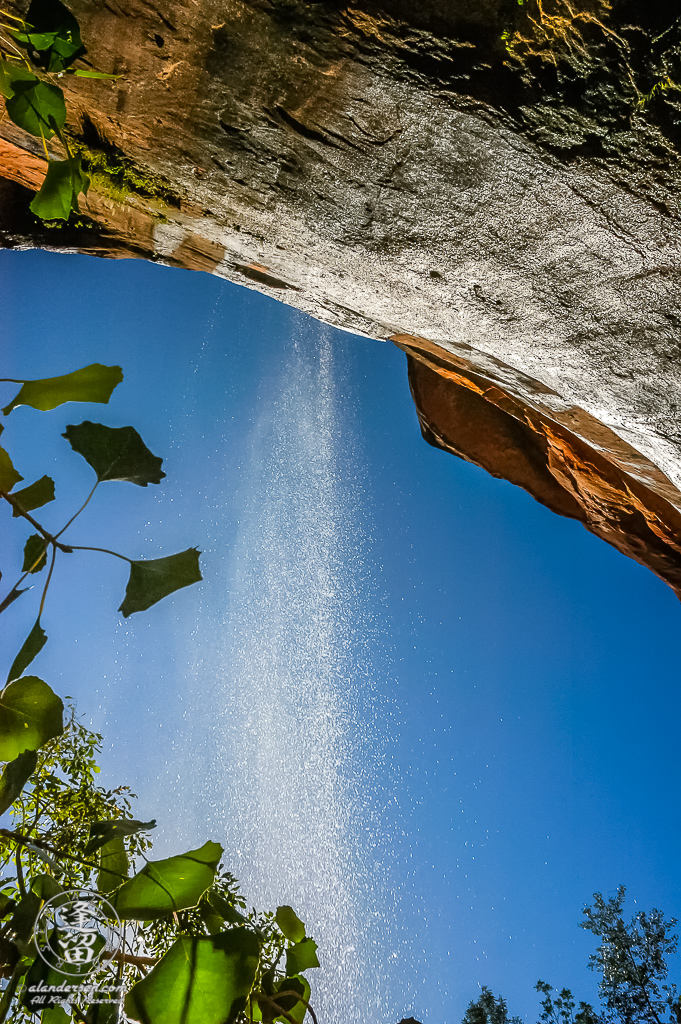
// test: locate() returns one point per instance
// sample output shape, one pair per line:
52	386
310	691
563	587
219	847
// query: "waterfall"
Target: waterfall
282	702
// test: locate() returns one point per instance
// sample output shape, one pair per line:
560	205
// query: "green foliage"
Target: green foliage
114	865
200	961
212	962
225	904
301	956
62	801
42	974
37	107
290	924
80	73
58	196
56	1015
34	496
115	453
155	578
488	1010
8	474
104	832
94	383
163	887
30	714
14	777
35	552
632	961
50	37
11	74
203	980
23	919
559	1009
54	32
31	647
115	176
291	995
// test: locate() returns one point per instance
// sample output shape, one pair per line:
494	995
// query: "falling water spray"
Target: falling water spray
284	670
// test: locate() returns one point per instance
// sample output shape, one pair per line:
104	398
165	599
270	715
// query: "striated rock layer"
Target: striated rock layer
501	179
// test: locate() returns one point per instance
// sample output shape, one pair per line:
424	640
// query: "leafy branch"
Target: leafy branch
191	955
115	454
34	54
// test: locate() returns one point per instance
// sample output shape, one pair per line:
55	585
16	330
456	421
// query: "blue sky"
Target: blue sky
514	680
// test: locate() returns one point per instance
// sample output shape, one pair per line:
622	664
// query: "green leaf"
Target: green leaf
102	832
37	107
30	715
24	916
115	453
11	73
8	474
32	646
266	1009
212	920
94	383
294	1007
164	886
58	195
46	887
198	981
7	906
102	1013
43	977
14	777
52	18
301	956
153	579
290	924
55	1015
9	955
93	74
224	908
36	40
114	862
35	495
35	553
62	53
38	852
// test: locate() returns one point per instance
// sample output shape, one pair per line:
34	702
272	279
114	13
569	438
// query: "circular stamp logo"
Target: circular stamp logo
75	930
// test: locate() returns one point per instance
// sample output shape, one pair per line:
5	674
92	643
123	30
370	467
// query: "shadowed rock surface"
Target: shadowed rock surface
604	484
495	186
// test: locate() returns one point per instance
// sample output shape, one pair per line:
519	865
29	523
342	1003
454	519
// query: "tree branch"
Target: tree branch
26	515
132	959
17	837
10	991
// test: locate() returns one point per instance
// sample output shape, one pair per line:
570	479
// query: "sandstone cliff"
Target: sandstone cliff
494	186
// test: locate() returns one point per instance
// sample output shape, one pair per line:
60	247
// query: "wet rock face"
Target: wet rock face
498	178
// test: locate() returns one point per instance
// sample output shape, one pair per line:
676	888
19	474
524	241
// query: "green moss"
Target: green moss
115	176
74	221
